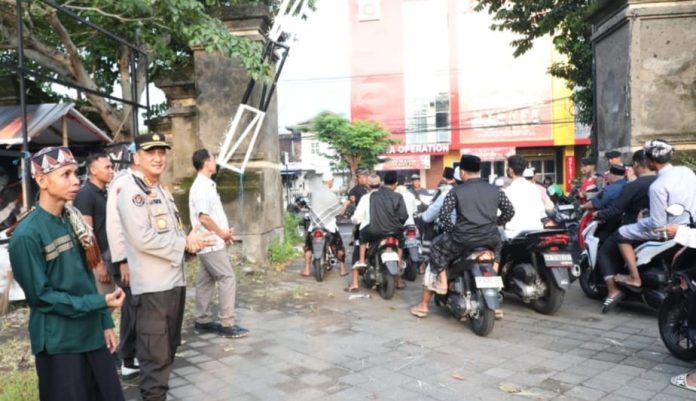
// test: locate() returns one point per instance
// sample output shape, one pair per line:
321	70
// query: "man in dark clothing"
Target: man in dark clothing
632	200
386	214
476	203
91	202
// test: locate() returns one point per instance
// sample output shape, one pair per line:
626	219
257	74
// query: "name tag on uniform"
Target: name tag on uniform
156	201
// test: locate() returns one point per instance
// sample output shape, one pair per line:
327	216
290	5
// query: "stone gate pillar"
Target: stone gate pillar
206	102
645	73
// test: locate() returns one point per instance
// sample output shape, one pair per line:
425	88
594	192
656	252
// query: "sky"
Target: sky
316	74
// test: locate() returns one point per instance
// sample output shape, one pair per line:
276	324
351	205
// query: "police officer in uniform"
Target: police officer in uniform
155	245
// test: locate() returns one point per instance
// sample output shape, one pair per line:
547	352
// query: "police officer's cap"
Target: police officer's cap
362	171
149	141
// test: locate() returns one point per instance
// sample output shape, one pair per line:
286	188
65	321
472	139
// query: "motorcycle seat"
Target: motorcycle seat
525	235
653	277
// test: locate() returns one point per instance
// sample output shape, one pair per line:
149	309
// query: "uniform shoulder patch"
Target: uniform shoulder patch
138	200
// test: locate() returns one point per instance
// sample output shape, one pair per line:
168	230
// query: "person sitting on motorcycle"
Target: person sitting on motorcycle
524	196
632	200
427	219
591	181
325	207
381	213
673	185
476	203
528	174
617	178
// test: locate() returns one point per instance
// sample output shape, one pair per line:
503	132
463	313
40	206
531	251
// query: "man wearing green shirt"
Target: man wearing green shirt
70	328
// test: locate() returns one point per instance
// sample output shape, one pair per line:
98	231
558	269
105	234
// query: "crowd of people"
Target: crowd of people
118	242
629	202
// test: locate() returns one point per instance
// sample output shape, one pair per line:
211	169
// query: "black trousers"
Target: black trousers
127	333
84	376
444	250
158	324
609	259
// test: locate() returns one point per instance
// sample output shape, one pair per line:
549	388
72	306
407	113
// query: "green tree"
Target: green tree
166	30
565	21
356	144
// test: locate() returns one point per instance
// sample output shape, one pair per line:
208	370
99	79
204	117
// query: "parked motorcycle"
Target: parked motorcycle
538	267
473	292
412	252
383	266
323	258
673	315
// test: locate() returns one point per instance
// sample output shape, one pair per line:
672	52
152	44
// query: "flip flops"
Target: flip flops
343	274
622	279
305	275
611	302
351	290
419	313
681	382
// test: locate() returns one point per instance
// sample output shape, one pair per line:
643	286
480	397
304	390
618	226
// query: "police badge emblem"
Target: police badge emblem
138	200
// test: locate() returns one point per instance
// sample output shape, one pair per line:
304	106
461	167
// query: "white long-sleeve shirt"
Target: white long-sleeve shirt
528	205
362	211
686	236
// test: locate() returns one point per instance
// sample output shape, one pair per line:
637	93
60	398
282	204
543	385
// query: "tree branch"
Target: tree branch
116	16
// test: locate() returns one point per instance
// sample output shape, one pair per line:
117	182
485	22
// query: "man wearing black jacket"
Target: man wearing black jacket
476	203
387	215
632	200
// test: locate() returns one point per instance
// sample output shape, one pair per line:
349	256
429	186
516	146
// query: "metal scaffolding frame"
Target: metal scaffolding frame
22	71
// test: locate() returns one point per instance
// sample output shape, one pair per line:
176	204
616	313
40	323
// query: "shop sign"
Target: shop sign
490	154
405	163
569	172
427	148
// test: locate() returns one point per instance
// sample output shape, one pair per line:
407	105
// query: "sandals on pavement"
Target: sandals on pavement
415	311
305	275
681	382
345	273
611	302
351	289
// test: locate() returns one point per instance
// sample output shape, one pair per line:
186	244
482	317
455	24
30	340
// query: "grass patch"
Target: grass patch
280	253
19	385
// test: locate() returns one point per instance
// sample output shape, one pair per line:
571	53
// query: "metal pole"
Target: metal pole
23	104
64	120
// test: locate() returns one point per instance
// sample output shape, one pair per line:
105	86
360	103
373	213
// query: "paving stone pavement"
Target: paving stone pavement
312	343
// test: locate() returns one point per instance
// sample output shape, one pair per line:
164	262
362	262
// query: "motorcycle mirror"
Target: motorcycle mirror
675	209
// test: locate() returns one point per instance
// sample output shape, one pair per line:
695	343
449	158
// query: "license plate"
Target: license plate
489	282
390	257
409	243
558	259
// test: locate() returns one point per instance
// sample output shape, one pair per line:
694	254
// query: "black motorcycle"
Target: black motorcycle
412	252
383	266
680	302
323	258
473	292
538	267
566	216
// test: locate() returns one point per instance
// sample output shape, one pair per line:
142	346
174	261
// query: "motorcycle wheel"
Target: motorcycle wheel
318	270
411	271
388	286
588	283
671	320
483	324
551	302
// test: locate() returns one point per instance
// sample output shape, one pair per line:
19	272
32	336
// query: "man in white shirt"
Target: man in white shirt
207	214
324	209
525	198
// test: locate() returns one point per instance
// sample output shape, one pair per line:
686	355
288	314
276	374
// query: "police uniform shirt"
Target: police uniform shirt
155	242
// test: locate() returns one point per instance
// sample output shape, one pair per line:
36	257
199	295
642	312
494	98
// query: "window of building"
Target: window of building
315	148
